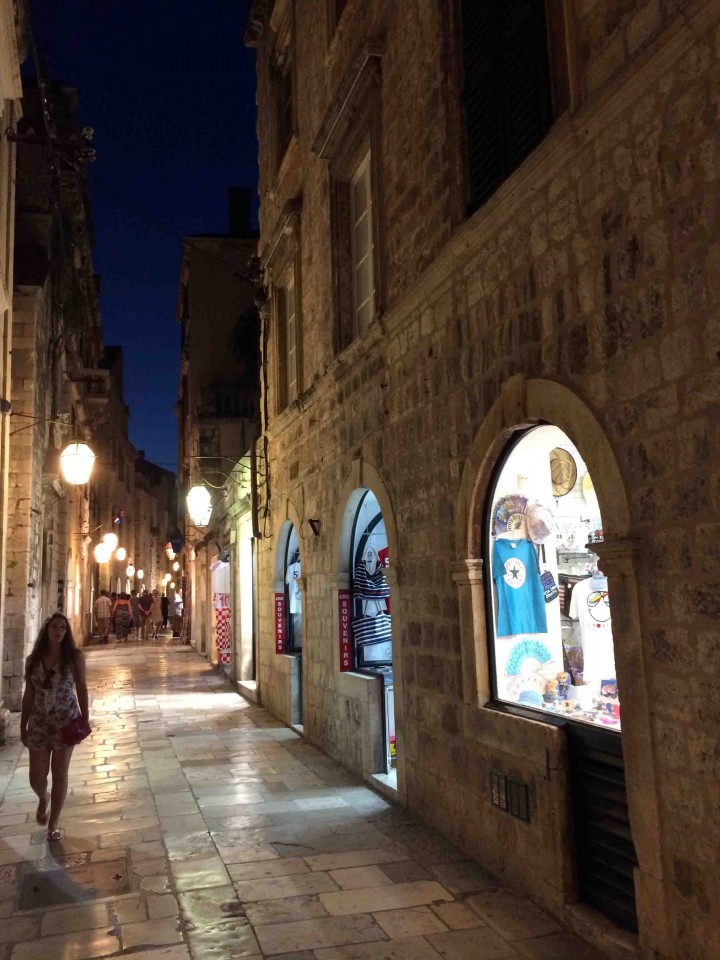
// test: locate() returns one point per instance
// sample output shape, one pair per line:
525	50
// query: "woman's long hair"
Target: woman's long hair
68	649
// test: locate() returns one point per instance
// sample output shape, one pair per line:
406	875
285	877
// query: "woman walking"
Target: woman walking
122	617
156	616
53	718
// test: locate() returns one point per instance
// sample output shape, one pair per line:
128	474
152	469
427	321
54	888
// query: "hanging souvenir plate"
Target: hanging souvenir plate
563	471
508	513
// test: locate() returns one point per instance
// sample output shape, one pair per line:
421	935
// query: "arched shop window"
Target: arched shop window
371	624
293	594
371	617
551	629
222	615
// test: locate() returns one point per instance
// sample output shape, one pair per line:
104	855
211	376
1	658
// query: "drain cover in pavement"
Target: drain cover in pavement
50	888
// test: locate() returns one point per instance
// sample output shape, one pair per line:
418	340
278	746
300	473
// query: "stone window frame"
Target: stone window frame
281	261
351	130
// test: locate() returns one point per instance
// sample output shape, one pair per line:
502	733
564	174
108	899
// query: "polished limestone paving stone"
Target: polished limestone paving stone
198	827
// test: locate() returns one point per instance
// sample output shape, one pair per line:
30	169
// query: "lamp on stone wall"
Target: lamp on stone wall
102	553
140	574
76	463
199	505
130	571
111	539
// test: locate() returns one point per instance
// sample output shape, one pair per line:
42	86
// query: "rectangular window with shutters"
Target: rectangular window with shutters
291	366
287	326
513	80
285	108
282	77
363	273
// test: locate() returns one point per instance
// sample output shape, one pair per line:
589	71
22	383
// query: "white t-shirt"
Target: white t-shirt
590	605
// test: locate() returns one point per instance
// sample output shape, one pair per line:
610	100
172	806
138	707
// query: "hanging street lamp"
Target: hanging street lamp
120	554
199	505
130	572
176	566
76	463
140	574
102	553
111	539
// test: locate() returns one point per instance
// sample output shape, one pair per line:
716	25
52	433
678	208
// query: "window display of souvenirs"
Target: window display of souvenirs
553	642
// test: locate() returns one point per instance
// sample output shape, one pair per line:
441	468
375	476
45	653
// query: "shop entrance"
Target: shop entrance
551	644
370	614
294	621
221	609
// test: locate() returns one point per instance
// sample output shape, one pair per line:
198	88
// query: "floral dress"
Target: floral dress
54	706
122	616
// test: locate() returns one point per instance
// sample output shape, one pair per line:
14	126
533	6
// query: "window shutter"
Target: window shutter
526	79
482	98
507	88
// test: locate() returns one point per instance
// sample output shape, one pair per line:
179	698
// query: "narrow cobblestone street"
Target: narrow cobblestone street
200	827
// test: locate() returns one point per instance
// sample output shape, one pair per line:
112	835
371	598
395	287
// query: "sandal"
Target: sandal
42	818
55	835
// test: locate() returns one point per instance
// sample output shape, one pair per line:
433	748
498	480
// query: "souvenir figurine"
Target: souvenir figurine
563	682
551	691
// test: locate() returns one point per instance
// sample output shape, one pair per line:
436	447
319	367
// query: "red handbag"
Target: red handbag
75	731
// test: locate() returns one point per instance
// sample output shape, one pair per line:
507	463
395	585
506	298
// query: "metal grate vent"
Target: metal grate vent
512	796
519	800
498	789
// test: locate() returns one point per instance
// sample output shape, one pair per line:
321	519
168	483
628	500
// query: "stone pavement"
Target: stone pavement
201	828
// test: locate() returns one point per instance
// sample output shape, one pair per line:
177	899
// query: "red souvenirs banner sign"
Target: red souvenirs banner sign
345	630
279	623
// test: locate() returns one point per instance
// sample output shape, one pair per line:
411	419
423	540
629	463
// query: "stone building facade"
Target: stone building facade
218	415
58	392
12	54
438	289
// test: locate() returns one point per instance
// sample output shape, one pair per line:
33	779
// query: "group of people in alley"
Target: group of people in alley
139	615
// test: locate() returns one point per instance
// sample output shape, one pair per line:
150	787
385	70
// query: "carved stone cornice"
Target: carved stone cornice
259	15
287	226
360	72
617	557
467	571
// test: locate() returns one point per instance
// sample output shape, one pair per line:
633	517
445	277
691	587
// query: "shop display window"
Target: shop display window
551	643
371	617
293	594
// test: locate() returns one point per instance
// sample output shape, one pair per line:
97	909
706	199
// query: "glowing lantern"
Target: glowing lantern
199	506
76	463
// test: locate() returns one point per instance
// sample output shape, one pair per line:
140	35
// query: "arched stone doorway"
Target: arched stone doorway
289	621
367	623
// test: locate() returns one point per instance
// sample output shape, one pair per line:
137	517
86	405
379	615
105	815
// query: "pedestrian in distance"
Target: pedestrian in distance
103	611
136	615
156	616
122	617
145	606
176	612
165	607
54	716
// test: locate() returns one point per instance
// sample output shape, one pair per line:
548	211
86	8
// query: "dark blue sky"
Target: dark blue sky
169	88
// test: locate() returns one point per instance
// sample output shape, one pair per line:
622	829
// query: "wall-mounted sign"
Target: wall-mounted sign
279	623
344	630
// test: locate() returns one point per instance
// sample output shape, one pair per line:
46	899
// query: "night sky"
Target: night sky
169	88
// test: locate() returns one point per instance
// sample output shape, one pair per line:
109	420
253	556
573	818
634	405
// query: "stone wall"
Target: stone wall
593	266
30	393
